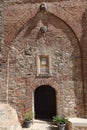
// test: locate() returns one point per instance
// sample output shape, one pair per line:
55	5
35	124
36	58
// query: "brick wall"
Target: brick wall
3	87
84	55
64	42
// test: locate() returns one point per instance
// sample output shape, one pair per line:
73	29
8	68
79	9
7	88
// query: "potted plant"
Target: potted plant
28	119
61	121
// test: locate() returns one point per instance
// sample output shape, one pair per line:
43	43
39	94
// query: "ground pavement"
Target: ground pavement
42	126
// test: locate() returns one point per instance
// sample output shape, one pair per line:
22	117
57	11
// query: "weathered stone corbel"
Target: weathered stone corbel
43	6
43	29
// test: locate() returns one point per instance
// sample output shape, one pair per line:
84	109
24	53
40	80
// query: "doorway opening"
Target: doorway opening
44	102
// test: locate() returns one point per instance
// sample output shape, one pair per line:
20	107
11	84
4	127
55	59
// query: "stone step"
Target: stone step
42	125
42	121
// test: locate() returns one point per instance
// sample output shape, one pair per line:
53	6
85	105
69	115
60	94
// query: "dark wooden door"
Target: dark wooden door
45	102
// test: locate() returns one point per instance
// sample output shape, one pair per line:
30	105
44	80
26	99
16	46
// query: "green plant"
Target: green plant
60	119
28	116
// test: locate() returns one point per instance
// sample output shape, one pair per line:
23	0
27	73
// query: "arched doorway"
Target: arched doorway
44	102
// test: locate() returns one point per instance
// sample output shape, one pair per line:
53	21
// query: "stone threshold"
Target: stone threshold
42	121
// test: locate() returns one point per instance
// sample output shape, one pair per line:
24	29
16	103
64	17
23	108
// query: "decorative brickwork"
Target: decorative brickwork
64	41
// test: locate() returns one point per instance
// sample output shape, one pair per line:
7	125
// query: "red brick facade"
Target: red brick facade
64	41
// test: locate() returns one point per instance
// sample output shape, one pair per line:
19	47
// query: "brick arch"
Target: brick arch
26	33
45	85
65	22
54	85
66	17
61	13
67	28
38	1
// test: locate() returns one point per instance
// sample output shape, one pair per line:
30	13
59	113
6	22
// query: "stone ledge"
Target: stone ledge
78	122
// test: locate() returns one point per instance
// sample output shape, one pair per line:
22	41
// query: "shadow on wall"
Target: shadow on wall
84	55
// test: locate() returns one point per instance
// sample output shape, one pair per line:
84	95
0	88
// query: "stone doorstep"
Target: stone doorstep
42	121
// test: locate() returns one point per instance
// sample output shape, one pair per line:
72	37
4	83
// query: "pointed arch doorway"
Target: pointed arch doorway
44	102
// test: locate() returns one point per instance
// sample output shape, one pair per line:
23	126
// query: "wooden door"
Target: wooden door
45	102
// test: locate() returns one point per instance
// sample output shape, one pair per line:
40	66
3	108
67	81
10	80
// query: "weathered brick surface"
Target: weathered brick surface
65	42
84	55
2	62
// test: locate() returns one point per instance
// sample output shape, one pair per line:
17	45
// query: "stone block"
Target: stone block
8	118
